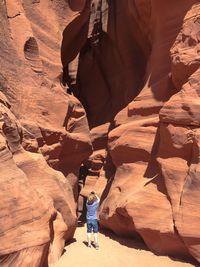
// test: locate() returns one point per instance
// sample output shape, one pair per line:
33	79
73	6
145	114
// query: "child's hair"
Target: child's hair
91	199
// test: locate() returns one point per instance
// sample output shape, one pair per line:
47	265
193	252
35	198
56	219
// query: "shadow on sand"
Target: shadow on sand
69	242
131	243
125	241
140	245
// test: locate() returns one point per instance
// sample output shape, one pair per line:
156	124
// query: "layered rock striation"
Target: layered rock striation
155	146
141	78
44	135
130	120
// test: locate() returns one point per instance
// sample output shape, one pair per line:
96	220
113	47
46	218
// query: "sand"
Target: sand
113	252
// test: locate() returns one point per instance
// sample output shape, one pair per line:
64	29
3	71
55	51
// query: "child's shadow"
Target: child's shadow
86	243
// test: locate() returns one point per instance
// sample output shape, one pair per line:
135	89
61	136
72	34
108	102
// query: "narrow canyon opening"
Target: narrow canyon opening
99	95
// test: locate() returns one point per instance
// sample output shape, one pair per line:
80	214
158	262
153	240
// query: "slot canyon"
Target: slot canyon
99	95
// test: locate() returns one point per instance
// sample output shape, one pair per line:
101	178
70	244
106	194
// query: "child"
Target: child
92	224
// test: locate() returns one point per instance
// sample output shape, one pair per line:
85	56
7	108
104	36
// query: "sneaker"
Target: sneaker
97	246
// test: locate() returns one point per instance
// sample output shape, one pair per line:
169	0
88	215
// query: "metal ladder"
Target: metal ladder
98	20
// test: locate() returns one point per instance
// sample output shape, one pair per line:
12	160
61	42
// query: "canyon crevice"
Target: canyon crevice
99	95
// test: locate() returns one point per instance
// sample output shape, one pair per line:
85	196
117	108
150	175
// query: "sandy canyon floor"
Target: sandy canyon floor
117	252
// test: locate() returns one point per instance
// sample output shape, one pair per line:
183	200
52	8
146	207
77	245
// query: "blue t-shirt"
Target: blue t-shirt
92	211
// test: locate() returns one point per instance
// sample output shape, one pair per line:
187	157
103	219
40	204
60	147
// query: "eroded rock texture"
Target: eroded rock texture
135	68
132	123
44	135
37	206
155	147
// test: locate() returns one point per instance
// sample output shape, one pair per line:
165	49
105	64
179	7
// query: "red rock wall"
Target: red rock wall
155	147
137	80
39	123
148	58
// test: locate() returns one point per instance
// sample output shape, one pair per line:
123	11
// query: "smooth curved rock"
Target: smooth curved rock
27	215
49	187
138	82
153	166
40	214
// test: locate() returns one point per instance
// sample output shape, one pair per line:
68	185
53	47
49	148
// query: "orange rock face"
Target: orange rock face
44	135
132	123
142	77
37	202
155	146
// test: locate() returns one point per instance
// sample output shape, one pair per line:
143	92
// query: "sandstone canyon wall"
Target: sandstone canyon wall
155	146
137	75
40	123
132	123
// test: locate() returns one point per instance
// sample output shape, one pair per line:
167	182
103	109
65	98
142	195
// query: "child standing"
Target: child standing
92	224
